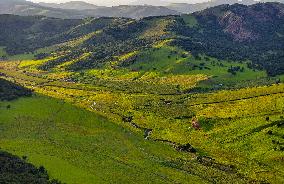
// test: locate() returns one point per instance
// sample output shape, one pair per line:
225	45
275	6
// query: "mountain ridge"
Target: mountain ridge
77	5
26	8
235	32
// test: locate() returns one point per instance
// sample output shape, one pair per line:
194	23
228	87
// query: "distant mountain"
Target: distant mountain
194	7
22	7
131	11
25	8
190	8
72	5
150	2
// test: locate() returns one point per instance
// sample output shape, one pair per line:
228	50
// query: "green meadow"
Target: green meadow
78	146
95	130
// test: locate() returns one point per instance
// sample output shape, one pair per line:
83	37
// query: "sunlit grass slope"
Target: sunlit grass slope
241	134
77	146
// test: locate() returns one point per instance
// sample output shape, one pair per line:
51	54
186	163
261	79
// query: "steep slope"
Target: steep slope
238	32
235	32
76	145
26	34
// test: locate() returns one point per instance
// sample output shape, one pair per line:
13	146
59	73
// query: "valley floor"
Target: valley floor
241	138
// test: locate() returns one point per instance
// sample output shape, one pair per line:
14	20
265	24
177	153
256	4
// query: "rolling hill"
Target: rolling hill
190	8
196	98
235	32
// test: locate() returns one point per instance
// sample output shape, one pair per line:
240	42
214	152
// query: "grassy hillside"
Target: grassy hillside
237	32
174	99
77	146
255	38
238	127
199	34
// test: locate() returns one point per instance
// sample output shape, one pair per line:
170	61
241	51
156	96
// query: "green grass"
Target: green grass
234	132
26	56
77	146
21	57
281	77
235	129
157	59
167	61
170	60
